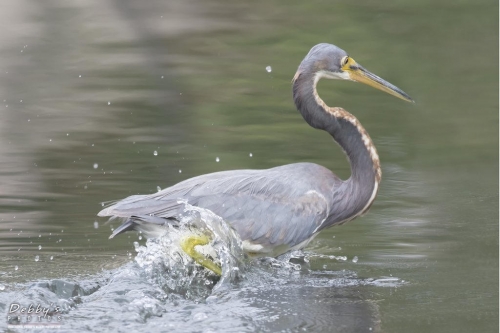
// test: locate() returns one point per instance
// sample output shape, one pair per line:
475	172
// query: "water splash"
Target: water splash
166	264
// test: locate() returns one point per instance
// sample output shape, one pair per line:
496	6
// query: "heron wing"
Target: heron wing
279	206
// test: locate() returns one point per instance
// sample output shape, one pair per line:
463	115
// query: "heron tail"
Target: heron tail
150	226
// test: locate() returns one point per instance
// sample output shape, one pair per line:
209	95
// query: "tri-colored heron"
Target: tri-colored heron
282	208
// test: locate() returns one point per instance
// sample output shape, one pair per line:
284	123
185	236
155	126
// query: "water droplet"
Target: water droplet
180	171
37	258
109	103
16	268
39	247
269	69
20	101
96	225
96	165
155	153
200	316
250	154
355	259
140	237
50	140
162	76
51	257
217	159
79	76
29	120
158	188
2	287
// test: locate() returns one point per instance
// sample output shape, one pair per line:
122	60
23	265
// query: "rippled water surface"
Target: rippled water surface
104	99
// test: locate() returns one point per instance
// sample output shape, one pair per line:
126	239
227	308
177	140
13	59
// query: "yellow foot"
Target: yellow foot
189	242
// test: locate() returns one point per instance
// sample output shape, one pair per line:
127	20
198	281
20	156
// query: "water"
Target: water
107	84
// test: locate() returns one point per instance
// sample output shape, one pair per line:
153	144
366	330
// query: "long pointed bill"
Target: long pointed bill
359	74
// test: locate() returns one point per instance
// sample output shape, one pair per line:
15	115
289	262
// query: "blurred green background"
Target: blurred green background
91	89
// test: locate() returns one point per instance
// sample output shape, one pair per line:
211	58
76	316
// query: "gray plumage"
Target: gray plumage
281	208
268	207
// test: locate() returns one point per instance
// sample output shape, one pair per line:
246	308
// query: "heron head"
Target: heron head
331	62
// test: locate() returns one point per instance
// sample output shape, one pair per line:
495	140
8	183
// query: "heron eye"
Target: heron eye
344	61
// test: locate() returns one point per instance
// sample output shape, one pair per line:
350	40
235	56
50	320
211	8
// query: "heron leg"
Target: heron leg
189	242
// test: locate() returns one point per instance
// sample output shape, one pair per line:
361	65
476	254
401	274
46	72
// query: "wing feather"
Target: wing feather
278	206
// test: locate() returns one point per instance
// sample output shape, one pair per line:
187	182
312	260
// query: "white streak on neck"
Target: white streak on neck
341	113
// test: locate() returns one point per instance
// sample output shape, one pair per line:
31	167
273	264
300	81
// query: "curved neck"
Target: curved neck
359	191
